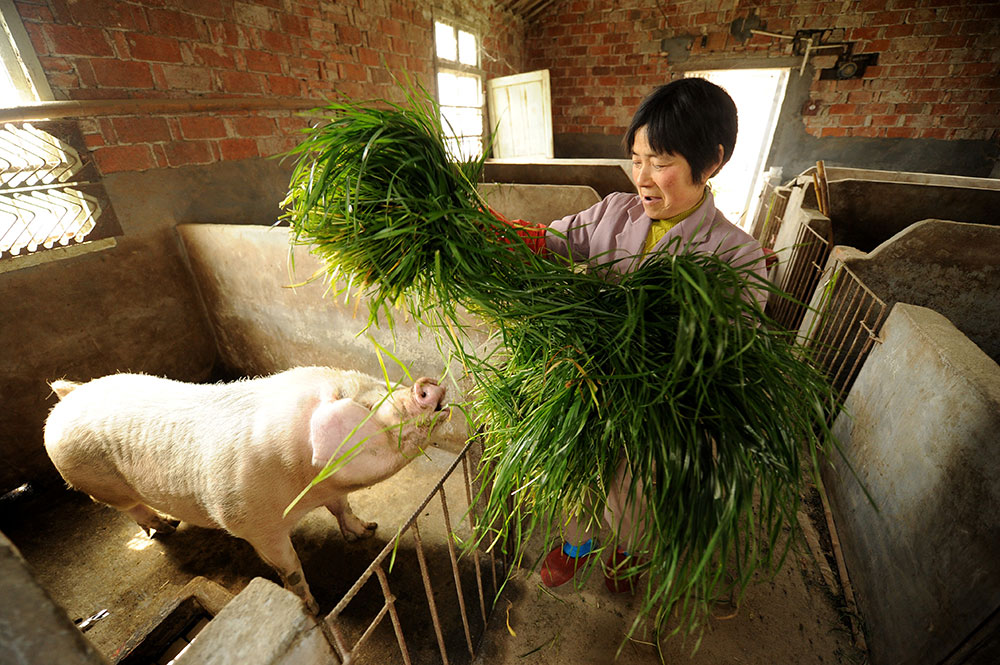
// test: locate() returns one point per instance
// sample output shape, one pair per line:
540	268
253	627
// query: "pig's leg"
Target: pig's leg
125	500
149	520
351	526
280	555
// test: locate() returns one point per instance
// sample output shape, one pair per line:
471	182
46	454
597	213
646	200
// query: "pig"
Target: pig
235	455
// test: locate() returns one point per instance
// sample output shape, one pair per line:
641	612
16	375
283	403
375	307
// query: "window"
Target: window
460	90
758	95
45	198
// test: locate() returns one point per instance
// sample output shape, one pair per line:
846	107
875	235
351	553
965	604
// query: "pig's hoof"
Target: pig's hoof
367	530
163	528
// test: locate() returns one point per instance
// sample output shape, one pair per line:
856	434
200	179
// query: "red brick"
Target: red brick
228	34
901	132
294	25
839	109
141	129
209	8
121	74
236	82
948	109
275	41
986	69
351	72
153	48
937	70
867	32
202	127
284	86
887	18
952	121
174	24
932	133
276	145
253	126
232	149
192	79
951	41
258	61
213	56
112	159
106	14
390	27
182	153
73	40
885	120
34	13
899	31
851	120
833	131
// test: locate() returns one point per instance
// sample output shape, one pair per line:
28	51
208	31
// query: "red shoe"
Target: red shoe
559	568
615	570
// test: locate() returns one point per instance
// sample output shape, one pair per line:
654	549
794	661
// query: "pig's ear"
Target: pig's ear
330	429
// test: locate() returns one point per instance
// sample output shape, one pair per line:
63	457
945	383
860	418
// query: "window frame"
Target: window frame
19	58
442	65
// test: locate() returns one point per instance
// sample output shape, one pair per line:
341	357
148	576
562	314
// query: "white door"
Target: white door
520	109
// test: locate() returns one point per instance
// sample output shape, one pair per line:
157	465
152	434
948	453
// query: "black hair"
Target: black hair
690	117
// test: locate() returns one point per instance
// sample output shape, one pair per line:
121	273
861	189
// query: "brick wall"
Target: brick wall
274	49
938	73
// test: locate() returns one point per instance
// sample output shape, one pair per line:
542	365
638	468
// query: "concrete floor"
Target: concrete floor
90	558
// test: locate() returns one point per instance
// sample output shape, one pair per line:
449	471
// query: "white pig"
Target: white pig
235	455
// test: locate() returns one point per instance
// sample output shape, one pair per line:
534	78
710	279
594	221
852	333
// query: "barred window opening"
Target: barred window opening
49	195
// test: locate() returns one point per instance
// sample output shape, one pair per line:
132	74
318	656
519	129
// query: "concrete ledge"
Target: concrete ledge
538	203
920	430
33	629
263	625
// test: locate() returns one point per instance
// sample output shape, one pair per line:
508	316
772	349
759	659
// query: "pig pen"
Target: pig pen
902	313
87	558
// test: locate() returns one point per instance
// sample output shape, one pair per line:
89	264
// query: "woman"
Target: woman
681	135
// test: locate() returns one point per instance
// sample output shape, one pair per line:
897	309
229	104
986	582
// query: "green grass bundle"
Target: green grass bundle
377	198
668	367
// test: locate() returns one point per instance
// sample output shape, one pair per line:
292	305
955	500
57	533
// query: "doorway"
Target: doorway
758	94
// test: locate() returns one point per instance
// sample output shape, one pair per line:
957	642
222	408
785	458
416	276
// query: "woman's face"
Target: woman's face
663	180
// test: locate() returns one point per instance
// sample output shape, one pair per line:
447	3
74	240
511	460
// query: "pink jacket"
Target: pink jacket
615	229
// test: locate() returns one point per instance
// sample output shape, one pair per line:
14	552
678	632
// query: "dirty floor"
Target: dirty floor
91	558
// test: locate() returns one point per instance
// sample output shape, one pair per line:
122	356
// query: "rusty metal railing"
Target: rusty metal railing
348	653
766	226
803	267
845	325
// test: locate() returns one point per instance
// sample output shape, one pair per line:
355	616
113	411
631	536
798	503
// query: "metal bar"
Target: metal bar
364	637
390	602
429	591
806	279
454	570
854	343
836	366
392	543
793	278
338	642
105	107
836	315
475	551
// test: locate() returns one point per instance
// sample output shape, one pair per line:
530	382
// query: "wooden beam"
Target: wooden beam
105	107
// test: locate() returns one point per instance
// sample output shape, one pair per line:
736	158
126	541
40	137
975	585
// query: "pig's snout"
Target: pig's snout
428	394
